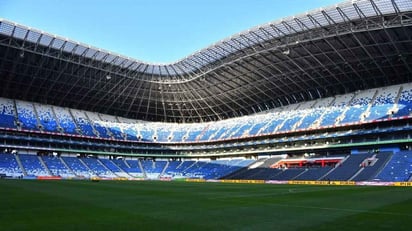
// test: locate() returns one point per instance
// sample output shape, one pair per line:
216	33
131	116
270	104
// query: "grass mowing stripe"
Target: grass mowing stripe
344	210
282	191
112	205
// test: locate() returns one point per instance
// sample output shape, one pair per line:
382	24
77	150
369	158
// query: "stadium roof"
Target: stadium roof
352	46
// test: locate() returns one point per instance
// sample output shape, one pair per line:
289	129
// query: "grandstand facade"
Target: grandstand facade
325	95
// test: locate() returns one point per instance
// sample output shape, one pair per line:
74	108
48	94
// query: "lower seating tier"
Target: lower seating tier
383	166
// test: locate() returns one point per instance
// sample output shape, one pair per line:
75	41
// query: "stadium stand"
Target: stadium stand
146	131
27	115
83	123
33	165
260	170
384	103
257	105
314	114
9	165
259	124
347	168
97	167
78	167
404	107
223	129
164	133
129	128
132	167
289	174
7	113
115	169
332	114
364	106
97	125
153	169
179	133
193	170
203	133
314	173
298	116
399	168
357	107
370	167
272	126
113	127
177	169
382	166
290	118
65	120
57	167
47	118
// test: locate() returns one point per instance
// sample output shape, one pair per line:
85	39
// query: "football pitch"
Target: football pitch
153	205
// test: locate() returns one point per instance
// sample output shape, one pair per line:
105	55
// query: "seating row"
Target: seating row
69	167
370	105
384	166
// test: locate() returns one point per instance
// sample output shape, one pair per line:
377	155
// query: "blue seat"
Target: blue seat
7	113
46	117
398	168
32	165
404	103
27	116
56	166
9	165
66	120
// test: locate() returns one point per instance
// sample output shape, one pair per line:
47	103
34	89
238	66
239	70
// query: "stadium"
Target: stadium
318	98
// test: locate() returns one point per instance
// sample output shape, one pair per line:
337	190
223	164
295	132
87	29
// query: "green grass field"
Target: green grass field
126	205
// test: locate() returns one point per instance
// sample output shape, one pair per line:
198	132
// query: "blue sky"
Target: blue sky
155	31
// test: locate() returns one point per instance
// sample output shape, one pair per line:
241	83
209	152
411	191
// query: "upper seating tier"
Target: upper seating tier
362	106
